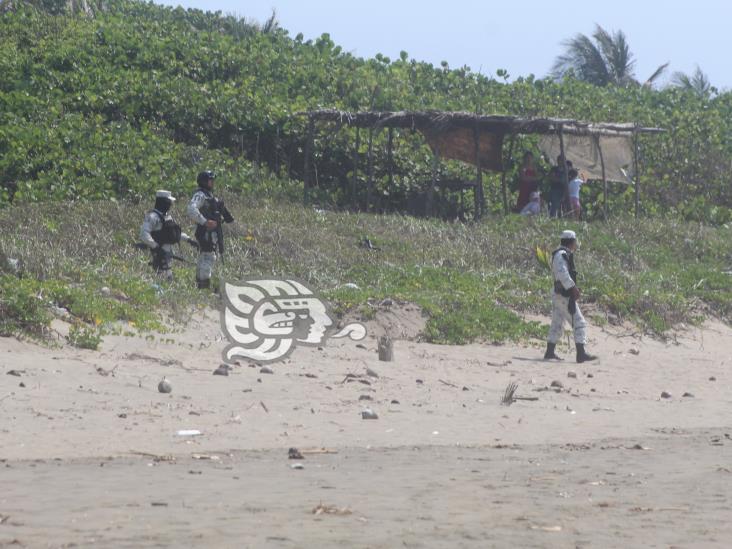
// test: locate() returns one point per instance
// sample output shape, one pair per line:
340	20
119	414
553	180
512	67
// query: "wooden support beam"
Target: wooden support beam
604	178
354	178
563	160
309	139
504	188
478	191
637	174
370	184
429	205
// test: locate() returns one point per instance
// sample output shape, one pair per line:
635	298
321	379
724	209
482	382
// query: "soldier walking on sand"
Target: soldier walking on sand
208	212
564	300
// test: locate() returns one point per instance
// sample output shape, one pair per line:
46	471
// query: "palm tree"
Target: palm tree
601	59
697	83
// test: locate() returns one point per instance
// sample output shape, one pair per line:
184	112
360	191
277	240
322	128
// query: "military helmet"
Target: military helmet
204	176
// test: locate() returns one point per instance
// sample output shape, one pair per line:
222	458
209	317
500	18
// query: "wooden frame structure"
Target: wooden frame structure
448	134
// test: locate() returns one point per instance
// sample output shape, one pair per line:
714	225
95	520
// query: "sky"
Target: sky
521	36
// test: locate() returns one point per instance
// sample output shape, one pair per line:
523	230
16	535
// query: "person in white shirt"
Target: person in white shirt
573	190
534	205
564	300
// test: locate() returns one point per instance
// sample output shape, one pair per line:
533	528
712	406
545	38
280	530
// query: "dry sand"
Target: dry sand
90	456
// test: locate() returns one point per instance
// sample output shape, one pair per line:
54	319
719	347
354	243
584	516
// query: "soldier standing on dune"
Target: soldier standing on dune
208	212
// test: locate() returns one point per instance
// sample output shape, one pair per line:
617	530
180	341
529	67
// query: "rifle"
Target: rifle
221	213
143	246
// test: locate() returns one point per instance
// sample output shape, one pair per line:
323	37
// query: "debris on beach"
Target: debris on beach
322	509
688	395
385	349
188	433
297	466
368	413
164	386
665	394
509	395
371	373
294	453
266	370
556	383
222	370
573	375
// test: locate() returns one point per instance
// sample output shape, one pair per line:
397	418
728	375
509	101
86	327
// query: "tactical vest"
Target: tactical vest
169	233
569	258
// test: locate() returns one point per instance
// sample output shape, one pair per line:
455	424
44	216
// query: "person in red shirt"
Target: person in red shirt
528	181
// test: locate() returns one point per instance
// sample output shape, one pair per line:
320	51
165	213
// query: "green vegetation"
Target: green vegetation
474	281
100	106
126	96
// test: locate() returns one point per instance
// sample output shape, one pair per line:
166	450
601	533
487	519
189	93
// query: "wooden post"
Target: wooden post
390	157
354	178
386	349
278	146
308	160
433	184
563	159
604	178
370	187
637	173
256	160
504	190
478	190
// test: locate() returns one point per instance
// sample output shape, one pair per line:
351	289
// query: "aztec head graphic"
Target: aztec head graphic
265	319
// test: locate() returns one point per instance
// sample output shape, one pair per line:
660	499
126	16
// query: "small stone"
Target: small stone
386	302
420	382
710	379
297	466
21	384
590	375
593	390
369	414
395	401
294	453
222	370
557	383
266	370
320	348
164	386
688	395
123	416
633	351
466	389
364	397
105	291
371	373
573	375
665	394
14	373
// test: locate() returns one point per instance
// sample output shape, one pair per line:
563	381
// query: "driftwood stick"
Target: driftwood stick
386	349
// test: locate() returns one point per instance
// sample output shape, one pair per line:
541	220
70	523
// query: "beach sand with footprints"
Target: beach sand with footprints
591	455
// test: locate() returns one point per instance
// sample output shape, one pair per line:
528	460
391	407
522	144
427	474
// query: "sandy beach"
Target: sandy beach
91	454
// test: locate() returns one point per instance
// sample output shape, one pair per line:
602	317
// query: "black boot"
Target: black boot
550	354
582	355
203	284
